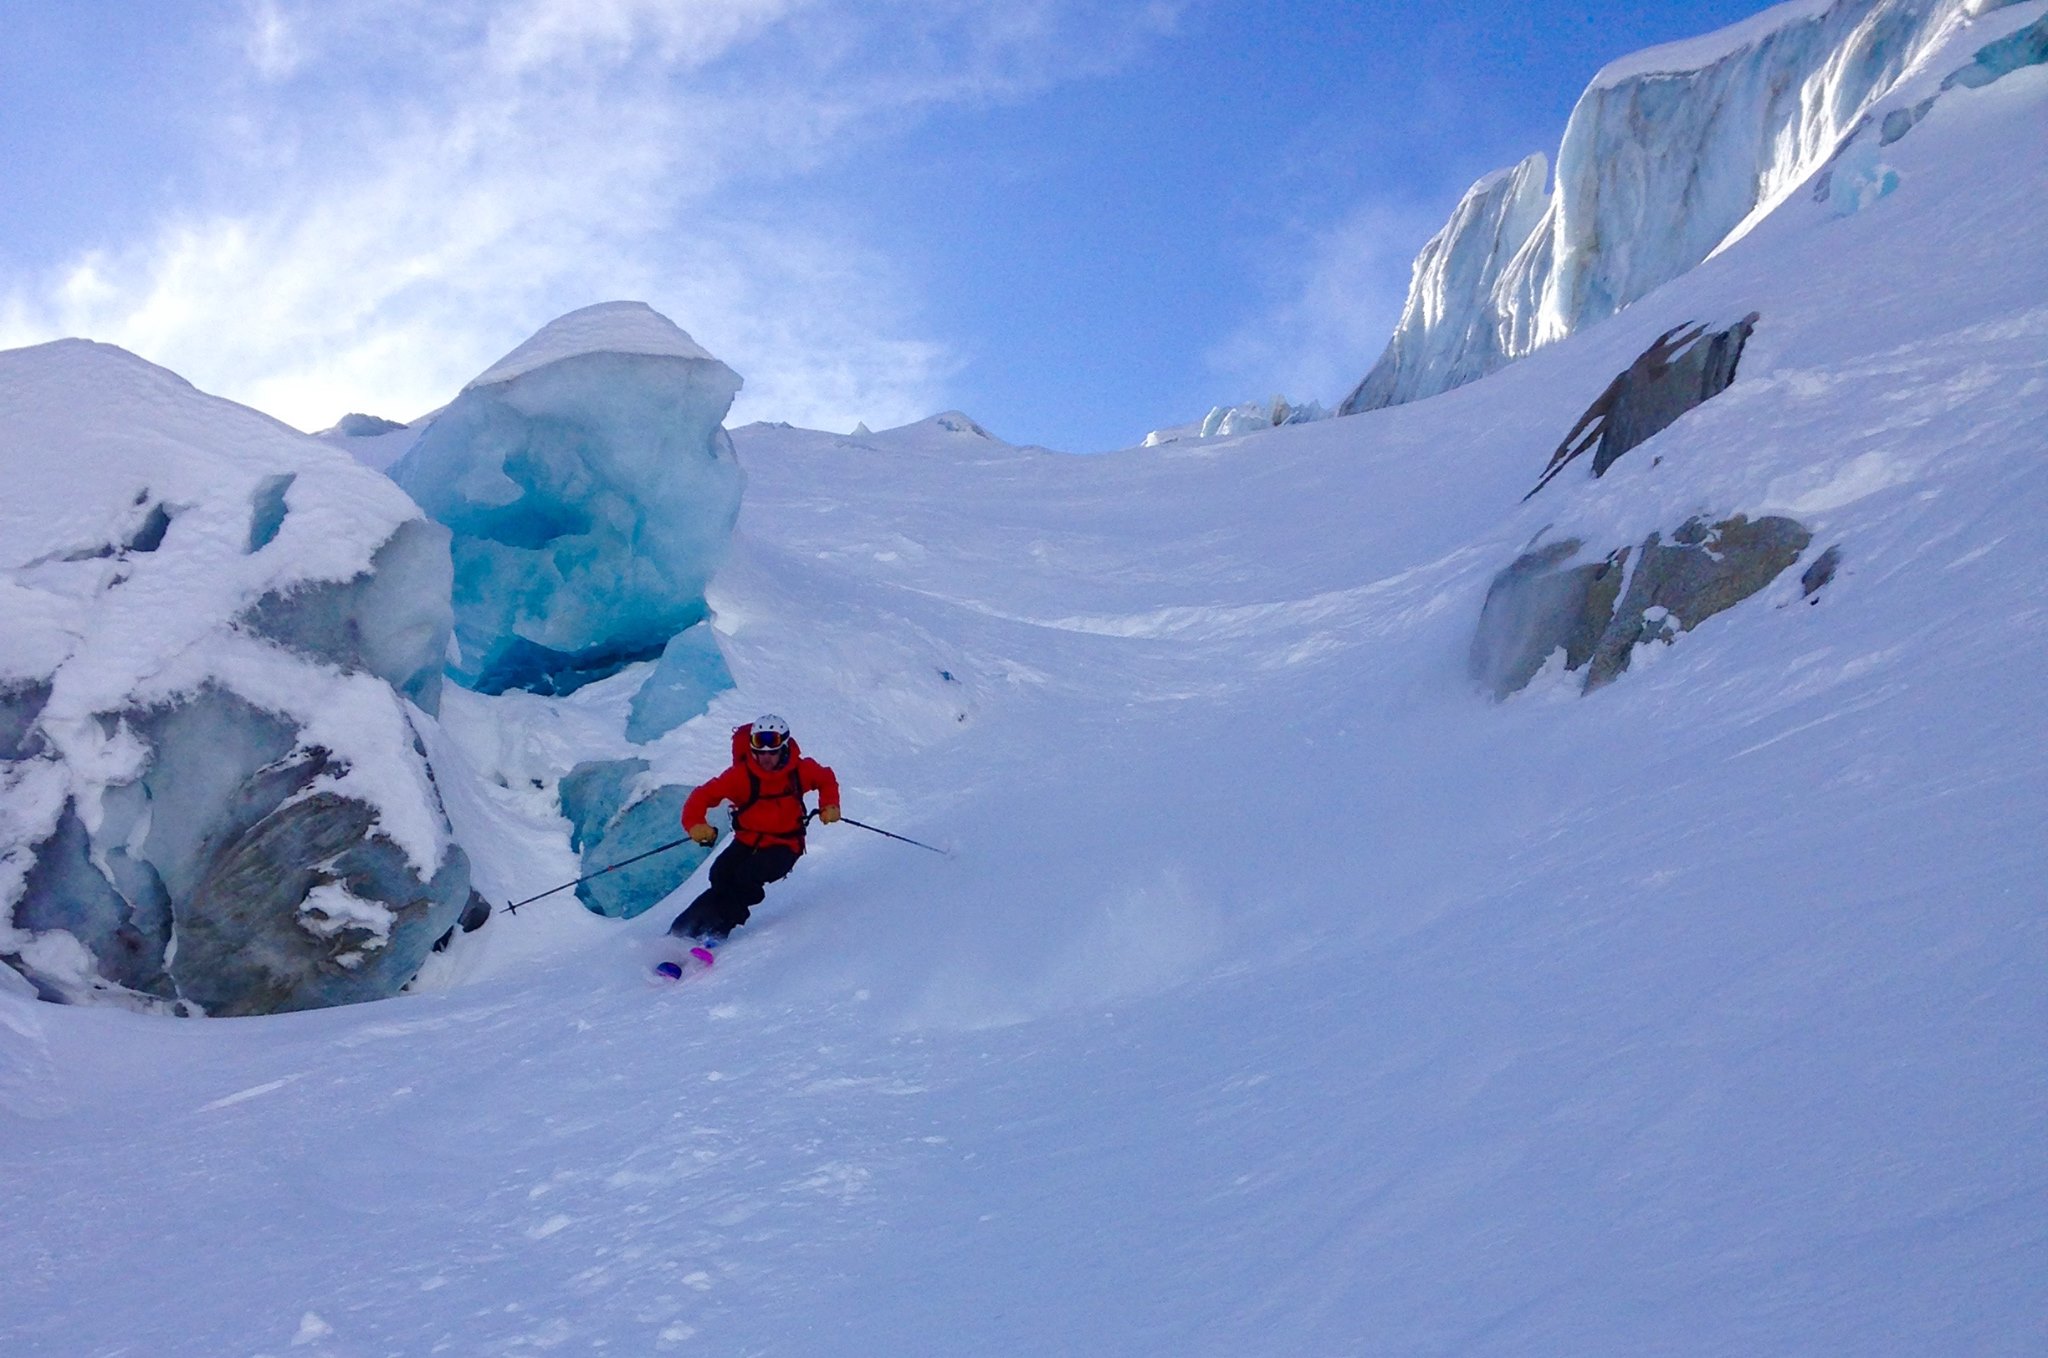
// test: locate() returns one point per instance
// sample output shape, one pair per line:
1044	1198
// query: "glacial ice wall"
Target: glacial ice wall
1246	417
1668	154
220	638
1442	340
591	491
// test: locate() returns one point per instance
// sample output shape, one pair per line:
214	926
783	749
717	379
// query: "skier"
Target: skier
766	786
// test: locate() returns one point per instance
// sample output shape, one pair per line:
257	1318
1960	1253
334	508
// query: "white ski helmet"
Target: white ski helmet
770	733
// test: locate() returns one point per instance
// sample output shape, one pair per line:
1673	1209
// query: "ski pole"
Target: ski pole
875	829
514	908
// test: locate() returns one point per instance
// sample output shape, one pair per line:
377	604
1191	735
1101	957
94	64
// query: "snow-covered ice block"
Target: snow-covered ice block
1246	417
591	490
214	626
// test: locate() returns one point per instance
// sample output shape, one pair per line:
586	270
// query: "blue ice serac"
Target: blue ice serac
1666	154
591	493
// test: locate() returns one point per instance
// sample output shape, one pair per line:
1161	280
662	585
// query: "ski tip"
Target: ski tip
669	969
702	955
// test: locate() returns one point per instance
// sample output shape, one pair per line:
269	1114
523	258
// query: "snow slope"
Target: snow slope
1281	994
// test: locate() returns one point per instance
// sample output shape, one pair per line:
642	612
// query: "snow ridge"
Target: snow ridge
606	328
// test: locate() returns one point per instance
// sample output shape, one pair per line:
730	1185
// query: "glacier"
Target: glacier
1282	994
1243	418
617	813
1669	154
224	640
590	491
691	671
1442	340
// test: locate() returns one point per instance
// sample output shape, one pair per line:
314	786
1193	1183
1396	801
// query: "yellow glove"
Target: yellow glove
828	814
703	834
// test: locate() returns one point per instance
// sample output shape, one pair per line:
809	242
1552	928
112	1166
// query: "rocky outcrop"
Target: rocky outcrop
1597	612
1684	367
1538	606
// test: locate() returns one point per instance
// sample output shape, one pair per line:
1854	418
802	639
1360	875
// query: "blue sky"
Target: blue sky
1075	221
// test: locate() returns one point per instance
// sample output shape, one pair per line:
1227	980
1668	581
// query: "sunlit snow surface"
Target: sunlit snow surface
1281	995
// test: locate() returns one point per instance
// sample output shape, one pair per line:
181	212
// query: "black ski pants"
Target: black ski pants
739	879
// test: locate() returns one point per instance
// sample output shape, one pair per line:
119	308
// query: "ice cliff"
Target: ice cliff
591	491
1246	417
1669	154
221	640
1445	340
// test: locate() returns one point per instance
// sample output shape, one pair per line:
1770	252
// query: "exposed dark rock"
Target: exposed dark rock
1821	571
474	916
1686	366
356	425
21	702
1541	604
1538	606
1703	572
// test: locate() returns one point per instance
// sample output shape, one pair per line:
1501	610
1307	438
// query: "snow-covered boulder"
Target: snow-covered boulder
1670	154
591	490
220	635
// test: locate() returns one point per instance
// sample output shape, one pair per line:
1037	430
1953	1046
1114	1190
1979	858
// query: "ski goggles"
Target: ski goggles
768	742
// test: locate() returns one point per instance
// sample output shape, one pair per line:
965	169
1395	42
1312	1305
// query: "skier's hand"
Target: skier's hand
703	834
828	814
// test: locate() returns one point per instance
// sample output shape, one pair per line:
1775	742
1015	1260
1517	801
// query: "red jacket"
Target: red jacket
768	804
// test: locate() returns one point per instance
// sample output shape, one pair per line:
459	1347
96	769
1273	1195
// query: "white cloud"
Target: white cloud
1337	293
400	192
271	44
